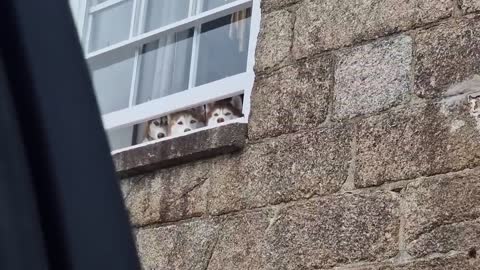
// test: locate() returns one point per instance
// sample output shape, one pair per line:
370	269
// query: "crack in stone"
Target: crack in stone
212	251
438	225
201	180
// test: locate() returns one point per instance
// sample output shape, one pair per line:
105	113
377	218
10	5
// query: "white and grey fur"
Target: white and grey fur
224	110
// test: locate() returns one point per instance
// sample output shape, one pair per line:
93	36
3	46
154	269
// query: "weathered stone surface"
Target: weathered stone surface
463	236
455	262
328	24
242	243
445	55
269	5
470	5
183	246
168	195
282	169
335	230
292	98
373	77
198	145
436	212
276	28
416	141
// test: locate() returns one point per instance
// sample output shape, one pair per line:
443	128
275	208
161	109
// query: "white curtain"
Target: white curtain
165	64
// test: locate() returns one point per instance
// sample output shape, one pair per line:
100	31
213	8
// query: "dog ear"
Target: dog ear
209	107
237	103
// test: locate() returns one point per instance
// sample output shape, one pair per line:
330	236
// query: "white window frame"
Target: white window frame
194	96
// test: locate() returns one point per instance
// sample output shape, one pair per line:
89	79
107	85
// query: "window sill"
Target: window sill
203	144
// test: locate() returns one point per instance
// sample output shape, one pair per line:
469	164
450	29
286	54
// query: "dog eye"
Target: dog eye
215	114
193	122
180	123
228	113
156	123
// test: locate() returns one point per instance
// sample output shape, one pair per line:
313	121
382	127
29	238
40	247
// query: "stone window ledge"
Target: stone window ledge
203	144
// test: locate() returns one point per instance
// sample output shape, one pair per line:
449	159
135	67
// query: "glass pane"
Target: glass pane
112	85
165	66
96	2
120	138
110	26
211	4
164	12
223	47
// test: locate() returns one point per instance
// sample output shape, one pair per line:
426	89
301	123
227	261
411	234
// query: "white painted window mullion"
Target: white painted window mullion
134	17
142	17
137	27
195	47
135	79
88	34
254	31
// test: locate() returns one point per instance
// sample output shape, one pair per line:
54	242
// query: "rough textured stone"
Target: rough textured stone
454	262
470	5
202	144
282	169
184	246
269	5
334	230
323	25
463	236
416	141
372	77
276	28
168	195
292	98
435	210
445	55
242	243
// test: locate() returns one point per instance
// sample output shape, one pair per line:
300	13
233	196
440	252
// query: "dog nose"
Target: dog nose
160	135
187	130
220	120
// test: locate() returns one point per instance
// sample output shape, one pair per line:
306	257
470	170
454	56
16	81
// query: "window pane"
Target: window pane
110	26
211	4
165	66
96	2
120	138
112	85
223	50
164	12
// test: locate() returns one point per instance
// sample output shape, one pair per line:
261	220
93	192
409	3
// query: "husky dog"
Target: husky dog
224	110
474	105
186	121
156	129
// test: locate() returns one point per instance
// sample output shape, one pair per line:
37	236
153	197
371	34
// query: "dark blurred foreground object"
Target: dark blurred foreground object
60	204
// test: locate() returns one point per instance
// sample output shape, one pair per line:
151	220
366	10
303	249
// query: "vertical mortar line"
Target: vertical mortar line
294	21
331	97
349	183
412	94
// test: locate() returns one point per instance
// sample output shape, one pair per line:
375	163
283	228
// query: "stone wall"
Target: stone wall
362	152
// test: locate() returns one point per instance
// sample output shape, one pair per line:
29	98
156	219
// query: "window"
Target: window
153	58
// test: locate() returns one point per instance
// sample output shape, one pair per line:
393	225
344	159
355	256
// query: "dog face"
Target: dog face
474	105
185	121
157	129
224	110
